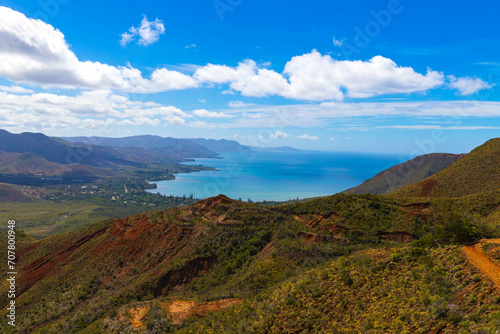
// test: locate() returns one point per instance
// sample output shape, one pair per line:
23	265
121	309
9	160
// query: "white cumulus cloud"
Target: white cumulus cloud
90	109
466	85
148	32
15	89
306	136
318	77
163	79
210	114
175	120
279	134
239	104
246	78
202	125
140	121
338	42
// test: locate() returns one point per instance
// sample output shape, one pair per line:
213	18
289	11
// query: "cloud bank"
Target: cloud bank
34	52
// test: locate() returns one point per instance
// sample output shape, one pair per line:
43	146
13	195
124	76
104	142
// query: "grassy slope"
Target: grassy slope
391	290
43	218
12	163
15	193
405	174
478	171
34	164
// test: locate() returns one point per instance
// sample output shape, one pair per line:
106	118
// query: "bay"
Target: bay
277	176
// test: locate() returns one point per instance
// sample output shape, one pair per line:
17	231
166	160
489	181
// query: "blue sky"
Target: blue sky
407	77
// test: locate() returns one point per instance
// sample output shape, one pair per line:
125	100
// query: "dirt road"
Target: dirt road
476	256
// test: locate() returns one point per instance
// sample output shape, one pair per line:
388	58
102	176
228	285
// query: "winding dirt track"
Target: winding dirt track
476	256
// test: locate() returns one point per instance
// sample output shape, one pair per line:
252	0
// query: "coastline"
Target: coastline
277	176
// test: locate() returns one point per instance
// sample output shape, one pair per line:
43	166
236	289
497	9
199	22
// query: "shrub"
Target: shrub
455	229
396	257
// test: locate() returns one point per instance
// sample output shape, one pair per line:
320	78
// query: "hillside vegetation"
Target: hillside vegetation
478	171
405	173
88	280
20	194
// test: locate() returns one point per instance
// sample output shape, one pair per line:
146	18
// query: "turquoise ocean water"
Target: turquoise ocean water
277	176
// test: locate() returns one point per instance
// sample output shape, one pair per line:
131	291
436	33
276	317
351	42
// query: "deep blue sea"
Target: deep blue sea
277	176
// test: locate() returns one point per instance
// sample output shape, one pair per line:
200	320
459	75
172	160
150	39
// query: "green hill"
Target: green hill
15	193
478	171
28	163
33	164
405	174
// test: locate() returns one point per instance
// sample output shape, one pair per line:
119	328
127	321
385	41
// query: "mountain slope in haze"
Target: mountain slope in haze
28	163
476	172
173	147
34	170
61	152
405	173
15	193
50	149
222	145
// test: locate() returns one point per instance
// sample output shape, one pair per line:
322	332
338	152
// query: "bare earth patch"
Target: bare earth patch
139	314
182	309
179	309
476	256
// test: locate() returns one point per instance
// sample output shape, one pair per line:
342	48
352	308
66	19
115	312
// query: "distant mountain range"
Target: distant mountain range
62	152
36	152
222	145
174	147
277	149
26	156
406	173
